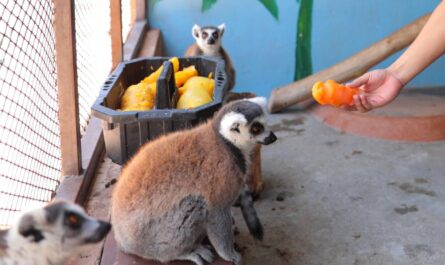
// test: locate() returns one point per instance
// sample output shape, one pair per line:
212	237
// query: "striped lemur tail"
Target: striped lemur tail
250	216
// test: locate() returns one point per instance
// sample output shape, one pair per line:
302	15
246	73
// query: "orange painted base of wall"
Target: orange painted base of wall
417	115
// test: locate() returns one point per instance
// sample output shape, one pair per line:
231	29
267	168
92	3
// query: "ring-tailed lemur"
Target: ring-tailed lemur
50	235
179	188
208	43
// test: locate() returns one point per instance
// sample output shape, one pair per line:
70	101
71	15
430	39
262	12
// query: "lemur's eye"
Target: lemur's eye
204	35
256	128
73	220
215	35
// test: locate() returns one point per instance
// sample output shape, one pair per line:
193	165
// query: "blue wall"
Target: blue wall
263	49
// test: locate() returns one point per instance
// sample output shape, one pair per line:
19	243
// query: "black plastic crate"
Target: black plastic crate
125	131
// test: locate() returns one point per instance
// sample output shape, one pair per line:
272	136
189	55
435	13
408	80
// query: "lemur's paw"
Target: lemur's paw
205	253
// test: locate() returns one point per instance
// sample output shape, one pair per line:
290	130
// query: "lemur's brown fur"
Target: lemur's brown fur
150	175
179	188
193	50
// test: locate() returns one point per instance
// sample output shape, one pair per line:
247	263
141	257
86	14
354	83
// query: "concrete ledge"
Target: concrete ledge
416	115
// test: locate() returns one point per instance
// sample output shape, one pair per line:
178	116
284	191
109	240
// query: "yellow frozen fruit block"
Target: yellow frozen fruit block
182	76
137	97
199	82
193	98
155	75
152	88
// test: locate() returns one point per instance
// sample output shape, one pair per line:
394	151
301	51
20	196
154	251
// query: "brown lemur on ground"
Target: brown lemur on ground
208	43
180	187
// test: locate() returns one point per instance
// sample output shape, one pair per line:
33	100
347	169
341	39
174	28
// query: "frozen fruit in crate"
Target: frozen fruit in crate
193	98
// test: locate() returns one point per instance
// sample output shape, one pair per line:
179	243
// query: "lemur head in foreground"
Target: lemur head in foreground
208	37
244	123
62	222
53	233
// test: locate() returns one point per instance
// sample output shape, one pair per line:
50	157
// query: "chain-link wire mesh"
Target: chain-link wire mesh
30	162
29	132
93	45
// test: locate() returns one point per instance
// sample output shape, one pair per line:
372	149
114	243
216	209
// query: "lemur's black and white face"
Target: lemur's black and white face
244	123
62	223
208	37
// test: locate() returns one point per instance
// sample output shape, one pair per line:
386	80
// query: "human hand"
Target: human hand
376	89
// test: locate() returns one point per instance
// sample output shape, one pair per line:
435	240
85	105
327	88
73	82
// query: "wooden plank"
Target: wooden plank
67	87
116	32
134	40
152	44
76	187
69	188
99	206
348	69
112	255
138	10
93	147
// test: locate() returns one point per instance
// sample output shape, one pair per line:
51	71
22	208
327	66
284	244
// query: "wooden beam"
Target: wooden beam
76	188
348	69
152	44
138	10
93	147
99	206
67	87
116	32
134	40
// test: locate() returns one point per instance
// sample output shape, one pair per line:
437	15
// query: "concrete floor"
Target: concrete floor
347	199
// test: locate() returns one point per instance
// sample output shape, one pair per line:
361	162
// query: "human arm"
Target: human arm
380	87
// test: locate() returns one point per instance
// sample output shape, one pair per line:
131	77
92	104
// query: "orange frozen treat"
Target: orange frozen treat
333	93
182	76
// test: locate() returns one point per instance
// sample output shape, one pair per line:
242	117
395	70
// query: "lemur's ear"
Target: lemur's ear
195	31
262	101
221	29
27	228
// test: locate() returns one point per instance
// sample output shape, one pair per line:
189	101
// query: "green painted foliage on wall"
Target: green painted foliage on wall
303	54
271	6
207	4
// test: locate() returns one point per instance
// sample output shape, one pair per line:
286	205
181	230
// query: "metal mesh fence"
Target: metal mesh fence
93	45
30	158
29	131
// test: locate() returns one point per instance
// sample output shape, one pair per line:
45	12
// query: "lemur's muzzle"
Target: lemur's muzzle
100	233
211	41
269	139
